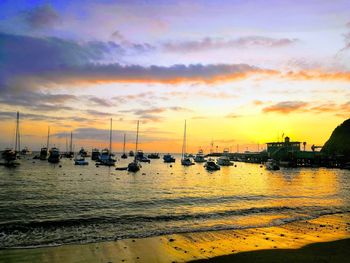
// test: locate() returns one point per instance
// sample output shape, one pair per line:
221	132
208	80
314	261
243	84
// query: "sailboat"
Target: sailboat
106	157
11	155
124	156
44	150
185	160
54	153
70	153
135	166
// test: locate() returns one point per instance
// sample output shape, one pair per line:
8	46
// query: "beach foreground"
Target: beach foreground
325	239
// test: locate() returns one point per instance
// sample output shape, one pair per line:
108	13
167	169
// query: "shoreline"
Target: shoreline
217	245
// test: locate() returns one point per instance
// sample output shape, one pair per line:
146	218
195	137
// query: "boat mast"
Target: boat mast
110	138
71	142
137	138
48	138
17	142
184	143
66	143
124	145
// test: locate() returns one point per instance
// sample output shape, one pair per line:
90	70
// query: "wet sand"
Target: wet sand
303	241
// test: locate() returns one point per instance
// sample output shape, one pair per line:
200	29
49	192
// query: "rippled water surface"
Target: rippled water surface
42	204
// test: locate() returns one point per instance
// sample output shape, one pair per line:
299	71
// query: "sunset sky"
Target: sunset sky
240	72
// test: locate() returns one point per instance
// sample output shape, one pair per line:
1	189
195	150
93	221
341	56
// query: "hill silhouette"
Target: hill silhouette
339	142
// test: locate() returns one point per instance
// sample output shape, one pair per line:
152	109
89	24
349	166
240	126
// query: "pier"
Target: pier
289	154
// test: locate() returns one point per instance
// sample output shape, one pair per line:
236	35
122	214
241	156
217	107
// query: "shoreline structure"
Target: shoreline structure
215	246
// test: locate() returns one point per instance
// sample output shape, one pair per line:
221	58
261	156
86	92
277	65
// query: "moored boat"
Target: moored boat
54	155
135	166
210	165
26	151
95	154
107	157
141	157
70	153
271	164
199	158
168	158
83	152
44	151
185	160
124	156
80	160
153	156
224	161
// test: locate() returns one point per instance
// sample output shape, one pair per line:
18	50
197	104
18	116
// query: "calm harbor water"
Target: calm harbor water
43	204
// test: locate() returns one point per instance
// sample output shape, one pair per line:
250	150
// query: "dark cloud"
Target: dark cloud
153	114
99	113
286	107
34	62
118	36
243	42
10	115
103	135
42	17
101	102
37	100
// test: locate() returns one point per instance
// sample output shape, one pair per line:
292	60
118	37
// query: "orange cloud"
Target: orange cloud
317	75
285	107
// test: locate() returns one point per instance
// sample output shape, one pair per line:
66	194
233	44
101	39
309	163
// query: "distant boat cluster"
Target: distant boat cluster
278	154
106	157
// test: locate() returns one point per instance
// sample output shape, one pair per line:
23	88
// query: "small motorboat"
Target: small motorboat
153	156
131	154
199	158
43	153
95	154
210	165
106	158
272	165
186	161
9	156
224	161
83	152
121	168
134	166
141	157
54	155
26	151
168	158
80	160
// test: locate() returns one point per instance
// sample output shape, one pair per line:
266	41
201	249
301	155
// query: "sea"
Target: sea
43	204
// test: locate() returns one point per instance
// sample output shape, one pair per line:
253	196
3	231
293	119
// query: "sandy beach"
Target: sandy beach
324	238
